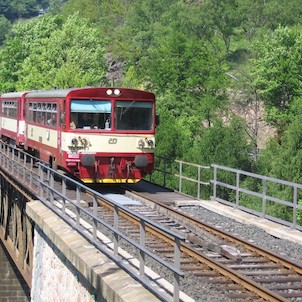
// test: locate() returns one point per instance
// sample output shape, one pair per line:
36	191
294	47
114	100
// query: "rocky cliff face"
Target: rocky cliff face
115	71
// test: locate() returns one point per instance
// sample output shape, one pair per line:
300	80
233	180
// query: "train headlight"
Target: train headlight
109	92
117	92
150	143
74	142
141	144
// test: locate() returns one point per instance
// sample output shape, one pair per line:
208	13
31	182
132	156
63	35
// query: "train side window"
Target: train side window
48	113
12	109
54	115
30	113
49	118
34	113
53	120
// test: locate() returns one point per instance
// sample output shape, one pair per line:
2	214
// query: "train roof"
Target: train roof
87	92
13	94
54	93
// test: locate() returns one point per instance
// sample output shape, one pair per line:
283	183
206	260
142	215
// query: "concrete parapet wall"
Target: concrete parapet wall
54	277
68	268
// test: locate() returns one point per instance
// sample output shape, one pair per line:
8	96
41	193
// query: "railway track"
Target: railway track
236	268
239	269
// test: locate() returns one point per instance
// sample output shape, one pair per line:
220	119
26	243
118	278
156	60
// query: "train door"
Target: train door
58	158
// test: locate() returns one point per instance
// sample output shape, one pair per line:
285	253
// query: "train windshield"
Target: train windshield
133	115
90	114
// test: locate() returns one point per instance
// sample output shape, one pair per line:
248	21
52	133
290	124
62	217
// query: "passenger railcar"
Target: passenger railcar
12	118
100	135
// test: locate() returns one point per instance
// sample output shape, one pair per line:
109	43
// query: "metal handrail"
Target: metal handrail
235	199
198	181
14	161
47	192
263	195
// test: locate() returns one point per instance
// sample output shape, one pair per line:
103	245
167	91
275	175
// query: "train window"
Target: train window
35	112
30	113
42	113
52	121
90	114
14	110
133	115
48	117
9	109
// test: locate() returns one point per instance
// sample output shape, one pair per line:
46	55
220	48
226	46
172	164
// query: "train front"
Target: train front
109	135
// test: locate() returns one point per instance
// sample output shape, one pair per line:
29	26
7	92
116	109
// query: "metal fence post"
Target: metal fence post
95	213
295	202
116	237
180	177
142	238
41	180
64	194
264	190
50	192
215	183
177	266
237	188
78	205
198	188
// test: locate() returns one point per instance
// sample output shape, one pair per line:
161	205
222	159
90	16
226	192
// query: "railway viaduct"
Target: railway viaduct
53	257
51	228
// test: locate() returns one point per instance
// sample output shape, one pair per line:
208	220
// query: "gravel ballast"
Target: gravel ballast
248	232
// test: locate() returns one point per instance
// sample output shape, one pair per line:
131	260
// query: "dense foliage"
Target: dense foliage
44	58
201	58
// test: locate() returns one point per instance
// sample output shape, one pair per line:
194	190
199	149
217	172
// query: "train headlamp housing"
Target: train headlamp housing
141	144
115	92
150	143
145	143
74	142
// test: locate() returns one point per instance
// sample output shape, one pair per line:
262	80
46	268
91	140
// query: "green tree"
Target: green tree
24	37
184	69
220	17
5	7
15	9
286	160
225	145
86	9
5	26
51	53
55	6
222	144
277	73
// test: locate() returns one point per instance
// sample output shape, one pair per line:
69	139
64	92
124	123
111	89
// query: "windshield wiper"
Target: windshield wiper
127	108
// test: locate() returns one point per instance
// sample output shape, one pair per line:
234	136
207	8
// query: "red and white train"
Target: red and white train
99	135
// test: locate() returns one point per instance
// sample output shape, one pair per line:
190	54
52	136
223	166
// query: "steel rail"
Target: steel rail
246	282
238	278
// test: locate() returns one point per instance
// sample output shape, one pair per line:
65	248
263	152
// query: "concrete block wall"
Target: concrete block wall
54	278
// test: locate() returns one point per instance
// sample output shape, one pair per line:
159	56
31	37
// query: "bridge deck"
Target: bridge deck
109	282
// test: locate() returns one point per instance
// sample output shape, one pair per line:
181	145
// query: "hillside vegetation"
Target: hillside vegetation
202	59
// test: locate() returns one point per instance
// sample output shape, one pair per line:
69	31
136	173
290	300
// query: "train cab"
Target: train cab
100	135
